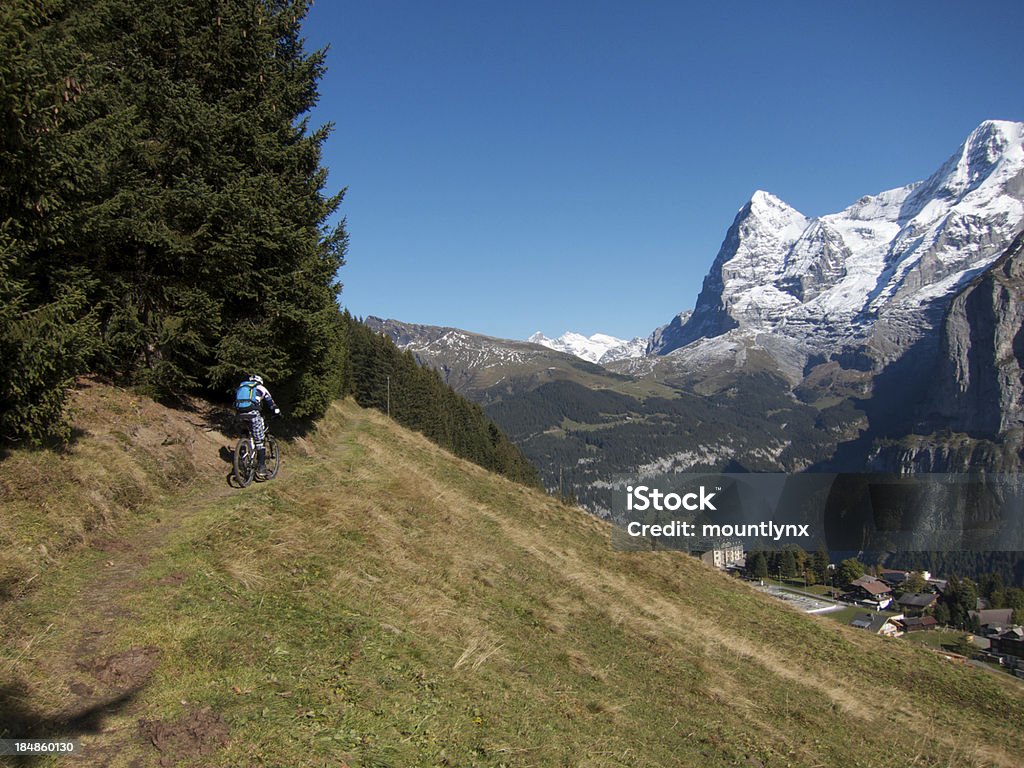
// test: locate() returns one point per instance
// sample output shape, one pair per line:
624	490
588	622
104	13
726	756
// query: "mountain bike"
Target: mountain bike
245	461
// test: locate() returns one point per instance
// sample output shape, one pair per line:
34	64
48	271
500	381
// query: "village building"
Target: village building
870	592
722	555
918	623
916	604
1009	643
993	617
878	624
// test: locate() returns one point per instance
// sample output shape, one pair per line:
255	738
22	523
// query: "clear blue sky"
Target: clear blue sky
514	167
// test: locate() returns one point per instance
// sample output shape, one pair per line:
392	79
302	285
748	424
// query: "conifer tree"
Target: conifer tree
820	564
787	563
758	565
161	182
47	330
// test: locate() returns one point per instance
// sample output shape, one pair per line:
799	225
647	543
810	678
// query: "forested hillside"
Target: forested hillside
381	376
581	437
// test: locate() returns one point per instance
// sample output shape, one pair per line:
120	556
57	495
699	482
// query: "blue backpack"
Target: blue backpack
245	397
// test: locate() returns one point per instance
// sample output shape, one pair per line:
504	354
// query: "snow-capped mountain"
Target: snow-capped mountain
877	274
599	348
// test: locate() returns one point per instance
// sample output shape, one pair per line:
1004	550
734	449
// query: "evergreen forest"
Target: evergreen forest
165	221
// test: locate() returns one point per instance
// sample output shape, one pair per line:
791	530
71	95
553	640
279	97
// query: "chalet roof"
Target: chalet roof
1001	616
873	587
862	620
894	577
873	622
917	600
877	622
923	621
1013	633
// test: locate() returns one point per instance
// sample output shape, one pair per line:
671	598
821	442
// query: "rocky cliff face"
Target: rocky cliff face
980	387
972	406
942	453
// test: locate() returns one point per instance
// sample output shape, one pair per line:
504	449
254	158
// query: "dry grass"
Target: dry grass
478	651
129	452
383	603
245	568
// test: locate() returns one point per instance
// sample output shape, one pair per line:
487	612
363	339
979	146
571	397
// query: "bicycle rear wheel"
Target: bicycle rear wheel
245	462
273	458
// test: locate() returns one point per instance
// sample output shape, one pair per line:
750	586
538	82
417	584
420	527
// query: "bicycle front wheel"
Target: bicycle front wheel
273	458
245	462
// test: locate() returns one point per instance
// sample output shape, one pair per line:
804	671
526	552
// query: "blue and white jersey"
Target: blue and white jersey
261	394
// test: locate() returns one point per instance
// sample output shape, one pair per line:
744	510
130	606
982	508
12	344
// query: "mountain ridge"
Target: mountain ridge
487	369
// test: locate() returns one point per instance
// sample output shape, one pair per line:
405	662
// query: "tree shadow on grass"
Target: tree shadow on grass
18	719
54	444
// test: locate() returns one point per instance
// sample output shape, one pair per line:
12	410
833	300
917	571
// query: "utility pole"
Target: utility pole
389	397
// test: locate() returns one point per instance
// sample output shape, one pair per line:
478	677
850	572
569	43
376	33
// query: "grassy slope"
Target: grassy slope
383	603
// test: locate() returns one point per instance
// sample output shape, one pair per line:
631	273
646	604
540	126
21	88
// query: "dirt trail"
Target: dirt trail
99	685
103	681
108	681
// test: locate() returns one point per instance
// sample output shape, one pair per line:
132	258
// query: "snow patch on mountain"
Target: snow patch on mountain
599	348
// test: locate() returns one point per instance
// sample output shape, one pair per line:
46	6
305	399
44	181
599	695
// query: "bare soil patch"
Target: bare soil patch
200	732
127	669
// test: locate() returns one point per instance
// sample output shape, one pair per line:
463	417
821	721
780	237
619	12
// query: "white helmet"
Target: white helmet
257	379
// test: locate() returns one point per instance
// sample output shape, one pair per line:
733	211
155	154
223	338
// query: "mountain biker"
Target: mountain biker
249	400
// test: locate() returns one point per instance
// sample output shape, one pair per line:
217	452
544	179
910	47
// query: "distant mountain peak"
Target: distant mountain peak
764	199
598	348
997	134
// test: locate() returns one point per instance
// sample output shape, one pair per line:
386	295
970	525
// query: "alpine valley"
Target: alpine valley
888	336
